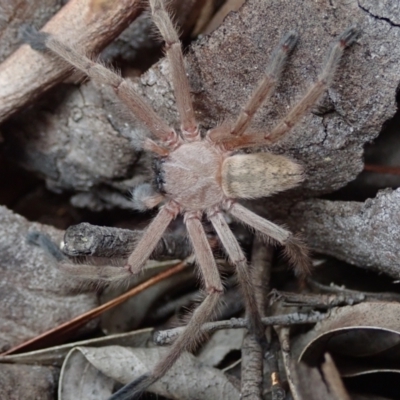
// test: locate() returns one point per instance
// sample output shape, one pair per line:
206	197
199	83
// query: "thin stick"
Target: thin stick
382	169
168	336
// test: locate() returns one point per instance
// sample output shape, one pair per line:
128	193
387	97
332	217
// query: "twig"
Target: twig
252	368
88	24
339	290
102	241
271	357
317	300
382	169
284	340
168	336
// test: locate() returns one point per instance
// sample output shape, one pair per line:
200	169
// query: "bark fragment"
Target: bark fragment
364	234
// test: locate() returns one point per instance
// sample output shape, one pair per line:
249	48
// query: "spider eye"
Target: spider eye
252	176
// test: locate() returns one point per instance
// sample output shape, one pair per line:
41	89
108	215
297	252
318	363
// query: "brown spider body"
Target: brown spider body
192	175
199	176
203	176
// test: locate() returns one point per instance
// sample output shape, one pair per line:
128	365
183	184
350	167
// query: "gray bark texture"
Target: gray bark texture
16	13
364	234
28	382
80	143
34	295
101	241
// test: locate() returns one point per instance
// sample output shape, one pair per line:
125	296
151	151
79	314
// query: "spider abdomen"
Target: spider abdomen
192	175
251	176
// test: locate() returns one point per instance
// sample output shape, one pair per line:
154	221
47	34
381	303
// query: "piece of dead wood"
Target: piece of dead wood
365	234
26	74
102	241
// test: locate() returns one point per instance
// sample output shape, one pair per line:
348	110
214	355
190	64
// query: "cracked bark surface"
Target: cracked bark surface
385	10
77	143
365	234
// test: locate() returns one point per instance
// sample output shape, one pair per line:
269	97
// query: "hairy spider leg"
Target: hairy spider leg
295	249
180	82
193	332
238	259
305	104
151	237
123	88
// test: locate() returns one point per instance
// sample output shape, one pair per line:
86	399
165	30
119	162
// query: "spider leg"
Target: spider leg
295	250
192	333
151	237
238	259
179	77
123	88
324	80
265	86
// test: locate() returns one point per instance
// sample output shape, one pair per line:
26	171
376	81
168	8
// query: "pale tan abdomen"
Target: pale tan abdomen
250	176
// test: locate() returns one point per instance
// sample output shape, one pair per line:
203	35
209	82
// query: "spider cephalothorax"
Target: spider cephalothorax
200	177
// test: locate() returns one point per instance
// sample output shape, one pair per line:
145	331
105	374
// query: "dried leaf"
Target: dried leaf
220	345
314	384
56	355
363	340
187	379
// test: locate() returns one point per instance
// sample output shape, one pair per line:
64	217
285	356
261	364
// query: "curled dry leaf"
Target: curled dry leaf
365	234
311	383
220	345
55	355
187	379
34	296
362	339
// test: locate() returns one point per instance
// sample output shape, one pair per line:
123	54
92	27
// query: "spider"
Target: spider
204	175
